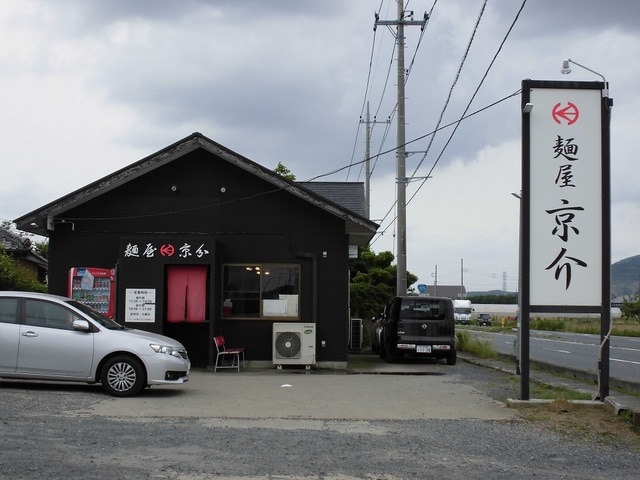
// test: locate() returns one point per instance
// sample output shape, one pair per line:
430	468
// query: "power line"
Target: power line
486	73
366	93
453	85
417	139
386	83
455	123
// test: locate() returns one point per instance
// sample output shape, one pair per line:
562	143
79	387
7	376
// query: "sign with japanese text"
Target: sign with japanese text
171	249
140	305
565	206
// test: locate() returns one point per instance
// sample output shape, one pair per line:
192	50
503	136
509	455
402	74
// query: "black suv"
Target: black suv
419	327
484	320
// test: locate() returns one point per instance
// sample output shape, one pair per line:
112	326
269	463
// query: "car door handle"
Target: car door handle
29	334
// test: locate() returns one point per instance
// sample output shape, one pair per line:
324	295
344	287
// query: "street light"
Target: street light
605	315
566	70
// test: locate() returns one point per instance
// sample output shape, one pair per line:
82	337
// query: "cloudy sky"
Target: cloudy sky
88	87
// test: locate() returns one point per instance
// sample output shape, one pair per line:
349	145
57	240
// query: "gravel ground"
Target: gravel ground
48	432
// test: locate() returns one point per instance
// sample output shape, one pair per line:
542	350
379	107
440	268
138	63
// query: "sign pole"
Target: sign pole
605	317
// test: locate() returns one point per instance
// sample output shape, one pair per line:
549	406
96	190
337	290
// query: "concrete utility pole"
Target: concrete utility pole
367	167
401	156
367	161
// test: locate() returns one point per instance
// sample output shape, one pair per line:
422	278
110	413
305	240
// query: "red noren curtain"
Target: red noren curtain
186	293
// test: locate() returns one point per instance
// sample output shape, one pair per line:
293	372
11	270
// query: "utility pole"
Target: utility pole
367	168
367	161
404	18
435	282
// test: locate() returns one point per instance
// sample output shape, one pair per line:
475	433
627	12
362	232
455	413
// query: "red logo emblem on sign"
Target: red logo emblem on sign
167	250
568	114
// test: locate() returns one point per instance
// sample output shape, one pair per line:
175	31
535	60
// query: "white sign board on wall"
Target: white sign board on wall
140	305
565	197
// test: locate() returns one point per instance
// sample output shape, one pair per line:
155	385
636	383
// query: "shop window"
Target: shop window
187	293
261	291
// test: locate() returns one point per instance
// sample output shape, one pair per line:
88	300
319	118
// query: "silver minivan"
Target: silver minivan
48	337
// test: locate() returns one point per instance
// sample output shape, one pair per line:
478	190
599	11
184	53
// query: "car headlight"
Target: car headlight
165	349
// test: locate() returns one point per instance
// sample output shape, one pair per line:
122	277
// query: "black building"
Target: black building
212	243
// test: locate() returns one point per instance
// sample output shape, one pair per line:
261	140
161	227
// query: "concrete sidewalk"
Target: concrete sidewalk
386	392
369	389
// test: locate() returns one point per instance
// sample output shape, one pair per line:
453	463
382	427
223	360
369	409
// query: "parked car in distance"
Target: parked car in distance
48	337
419	327
484	320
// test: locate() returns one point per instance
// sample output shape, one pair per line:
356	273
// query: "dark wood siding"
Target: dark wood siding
251	221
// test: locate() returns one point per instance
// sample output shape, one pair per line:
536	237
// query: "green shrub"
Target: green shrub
548	324
468	343
15	277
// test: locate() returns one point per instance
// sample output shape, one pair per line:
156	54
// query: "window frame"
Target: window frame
258	295
44	318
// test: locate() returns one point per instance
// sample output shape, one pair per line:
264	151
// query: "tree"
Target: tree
42	248
631	310
506	299
284	172
15	277
373	282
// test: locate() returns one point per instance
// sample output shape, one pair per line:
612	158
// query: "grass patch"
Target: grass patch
547	392
468	343
583	325
622	328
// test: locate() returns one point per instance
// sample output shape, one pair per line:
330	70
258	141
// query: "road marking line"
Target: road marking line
624	361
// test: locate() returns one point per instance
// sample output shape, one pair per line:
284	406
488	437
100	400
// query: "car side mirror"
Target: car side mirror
81	325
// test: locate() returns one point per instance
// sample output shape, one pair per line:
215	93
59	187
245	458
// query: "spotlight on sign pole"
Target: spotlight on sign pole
566	69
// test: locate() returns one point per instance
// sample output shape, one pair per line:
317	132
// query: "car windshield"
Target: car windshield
423	310
96	316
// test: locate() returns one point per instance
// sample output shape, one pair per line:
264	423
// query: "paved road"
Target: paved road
575	351
406	421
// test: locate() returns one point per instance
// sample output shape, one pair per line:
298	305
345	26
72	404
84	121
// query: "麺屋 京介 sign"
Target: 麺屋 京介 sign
565	171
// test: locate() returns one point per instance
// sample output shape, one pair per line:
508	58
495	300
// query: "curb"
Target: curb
615	405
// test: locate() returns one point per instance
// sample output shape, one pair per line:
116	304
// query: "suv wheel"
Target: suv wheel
122	376
391	355
452	358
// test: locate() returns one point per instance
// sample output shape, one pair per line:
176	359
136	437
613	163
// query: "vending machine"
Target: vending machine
94	287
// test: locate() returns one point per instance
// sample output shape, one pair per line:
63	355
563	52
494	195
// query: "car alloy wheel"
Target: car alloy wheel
123	376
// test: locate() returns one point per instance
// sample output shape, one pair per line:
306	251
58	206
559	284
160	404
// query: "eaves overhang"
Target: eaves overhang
41	220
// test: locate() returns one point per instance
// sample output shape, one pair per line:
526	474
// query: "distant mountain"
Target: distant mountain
490	292
625	279
625	276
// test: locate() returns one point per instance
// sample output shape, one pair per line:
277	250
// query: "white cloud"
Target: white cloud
89	87
465	212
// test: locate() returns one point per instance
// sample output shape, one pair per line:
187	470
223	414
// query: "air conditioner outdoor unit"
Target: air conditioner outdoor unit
294	344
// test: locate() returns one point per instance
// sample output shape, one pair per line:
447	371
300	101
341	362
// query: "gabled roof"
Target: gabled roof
39	221
20	247
14	243
348	194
